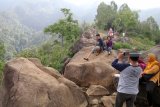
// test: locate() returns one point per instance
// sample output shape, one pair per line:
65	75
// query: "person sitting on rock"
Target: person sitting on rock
128	79
109	44
98	48
151	75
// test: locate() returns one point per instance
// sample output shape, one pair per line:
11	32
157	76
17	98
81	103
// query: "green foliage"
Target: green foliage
106	15
1	70
126	20
2	52
120	45
149	29
67	28
17	36
135	42
53	53
142	43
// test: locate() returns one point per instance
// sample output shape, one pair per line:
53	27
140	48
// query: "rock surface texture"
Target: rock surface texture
29	84
96	71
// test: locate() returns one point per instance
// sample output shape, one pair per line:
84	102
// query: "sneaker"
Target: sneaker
109	53
86	59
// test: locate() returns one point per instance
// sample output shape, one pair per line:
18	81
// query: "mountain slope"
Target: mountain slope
16	36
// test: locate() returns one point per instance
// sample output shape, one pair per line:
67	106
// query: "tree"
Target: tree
67	28
114	6
126	19
2	52
106	14
149	29
152	24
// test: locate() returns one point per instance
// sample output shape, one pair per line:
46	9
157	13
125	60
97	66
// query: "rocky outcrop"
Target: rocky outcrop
109	101
97	90
155	50
87	39
96	71
28	83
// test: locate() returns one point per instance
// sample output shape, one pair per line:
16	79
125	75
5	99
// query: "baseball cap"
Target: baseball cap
134	54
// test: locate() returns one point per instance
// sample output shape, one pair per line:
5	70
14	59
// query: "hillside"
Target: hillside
17	36
38	14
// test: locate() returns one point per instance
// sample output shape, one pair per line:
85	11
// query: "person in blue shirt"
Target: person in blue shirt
98	48
127	89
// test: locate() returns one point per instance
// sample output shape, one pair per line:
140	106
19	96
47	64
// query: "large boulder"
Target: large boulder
97	90
86	39
155	50
27	83
96	71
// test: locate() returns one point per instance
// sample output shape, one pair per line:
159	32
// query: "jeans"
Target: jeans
96	49
108	49
128	98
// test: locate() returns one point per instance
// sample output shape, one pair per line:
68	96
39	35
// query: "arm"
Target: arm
119	66
153	70
101	44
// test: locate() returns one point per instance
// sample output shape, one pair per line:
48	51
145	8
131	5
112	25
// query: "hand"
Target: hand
142	73
120	55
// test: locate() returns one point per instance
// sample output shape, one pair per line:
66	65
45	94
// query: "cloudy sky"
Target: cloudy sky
134	4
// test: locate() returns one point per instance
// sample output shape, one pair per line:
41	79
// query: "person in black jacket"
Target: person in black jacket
98	48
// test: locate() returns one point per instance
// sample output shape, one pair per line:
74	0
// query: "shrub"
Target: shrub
119	45
1	70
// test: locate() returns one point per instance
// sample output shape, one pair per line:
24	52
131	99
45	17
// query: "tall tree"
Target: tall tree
106	14
126	19
152	24
2	51
67	28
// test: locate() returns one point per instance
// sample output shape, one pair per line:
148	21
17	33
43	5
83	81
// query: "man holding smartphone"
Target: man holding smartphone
128	80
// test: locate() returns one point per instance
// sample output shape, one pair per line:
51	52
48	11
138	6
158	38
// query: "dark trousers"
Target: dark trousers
150	88
128	98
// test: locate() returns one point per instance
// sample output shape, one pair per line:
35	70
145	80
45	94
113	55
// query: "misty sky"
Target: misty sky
83	10
134	4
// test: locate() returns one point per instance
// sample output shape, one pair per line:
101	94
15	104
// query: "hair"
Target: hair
98	34
135	59
108	37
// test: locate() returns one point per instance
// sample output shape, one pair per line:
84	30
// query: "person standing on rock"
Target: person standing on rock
98	48
110	32
128	80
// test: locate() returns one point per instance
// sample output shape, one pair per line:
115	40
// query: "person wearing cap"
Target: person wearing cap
127	89
98	48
